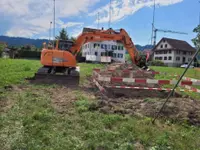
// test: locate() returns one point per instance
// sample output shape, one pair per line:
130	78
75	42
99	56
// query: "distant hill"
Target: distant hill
19	41
141	48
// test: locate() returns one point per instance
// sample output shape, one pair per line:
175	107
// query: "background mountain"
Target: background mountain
19	41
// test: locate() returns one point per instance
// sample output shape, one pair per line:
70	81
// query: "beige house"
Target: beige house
173	52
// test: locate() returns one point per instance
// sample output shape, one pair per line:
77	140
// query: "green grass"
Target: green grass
32	123
15	71
29	119
192	73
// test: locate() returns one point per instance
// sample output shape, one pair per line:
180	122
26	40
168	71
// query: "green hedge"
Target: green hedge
156	63
29	54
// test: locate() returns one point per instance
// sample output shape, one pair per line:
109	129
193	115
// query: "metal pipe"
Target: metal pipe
171	93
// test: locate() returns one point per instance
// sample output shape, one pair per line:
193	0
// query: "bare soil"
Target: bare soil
177	109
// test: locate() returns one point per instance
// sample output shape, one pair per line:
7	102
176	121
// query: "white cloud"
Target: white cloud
31	17
123	8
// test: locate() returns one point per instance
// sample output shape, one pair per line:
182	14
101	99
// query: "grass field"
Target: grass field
41	117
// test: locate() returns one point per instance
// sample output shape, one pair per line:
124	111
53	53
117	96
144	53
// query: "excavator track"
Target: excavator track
45	76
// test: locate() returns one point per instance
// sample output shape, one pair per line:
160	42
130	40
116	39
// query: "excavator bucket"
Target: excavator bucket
44	77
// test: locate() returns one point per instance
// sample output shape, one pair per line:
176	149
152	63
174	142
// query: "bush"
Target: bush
29	54
156	63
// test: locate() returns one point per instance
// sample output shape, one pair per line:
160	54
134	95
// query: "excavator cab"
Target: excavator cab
65	45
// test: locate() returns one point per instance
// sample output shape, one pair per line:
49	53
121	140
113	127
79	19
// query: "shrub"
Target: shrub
156	63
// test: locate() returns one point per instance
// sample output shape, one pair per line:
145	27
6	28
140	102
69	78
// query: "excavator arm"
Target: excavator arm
107	35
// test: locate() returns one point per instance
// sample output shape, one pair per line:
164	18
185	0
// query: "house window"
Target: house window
178	52
120	55
165	45
165	52
96	53
165	58
189	59
122	48
95	45
184	53
119	48
102	46
105	46
161	46
156	58
178	58
109	47
170	51
103	54
163	41
169	58
190	53
114	47
160	58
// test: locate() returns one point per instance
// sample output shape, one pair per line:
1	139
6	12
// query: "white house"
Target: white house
95	51
173	52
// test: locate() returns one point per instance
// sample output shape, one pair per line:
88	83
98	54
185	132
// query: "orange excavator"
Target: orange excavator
60	63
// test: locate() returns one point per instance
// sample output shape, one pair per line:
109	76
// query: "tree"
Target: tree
2	46
196	40
73	39
63	35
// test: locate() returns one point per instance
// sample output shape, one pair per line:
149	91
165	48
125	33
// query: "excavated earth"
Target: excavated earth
131	71
177	109
144	102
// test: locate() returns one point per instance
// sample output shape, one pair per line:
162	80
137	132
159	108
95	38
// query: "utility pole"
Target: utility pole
199	13
109	21
50	31
98	20
54	19
152	32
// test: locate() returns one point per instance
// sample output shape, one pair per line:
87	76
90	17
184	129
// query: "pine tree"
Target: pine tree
63	35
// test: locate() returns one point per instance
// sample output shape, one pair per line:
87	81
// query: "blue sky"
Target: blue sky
31	18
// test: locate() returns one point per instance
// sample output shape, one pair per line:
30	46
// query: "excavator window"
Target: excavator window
65	45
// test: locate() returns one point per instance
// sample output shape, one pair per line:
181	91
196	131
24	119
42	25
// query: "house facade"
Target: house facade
97	50
173	52
107	48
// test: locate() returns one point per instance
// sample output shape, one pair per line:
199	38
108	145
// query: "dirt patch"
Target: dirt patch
136	93
178	109
125	70
62	98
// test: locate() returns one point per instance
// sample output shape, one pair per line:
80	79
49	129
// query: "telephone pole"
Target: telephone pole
152	32
109	21
54	19
50	31
98	20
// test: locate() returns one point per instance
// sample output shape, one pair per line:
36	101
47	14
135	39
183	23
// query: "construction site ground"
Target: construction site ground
57	117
